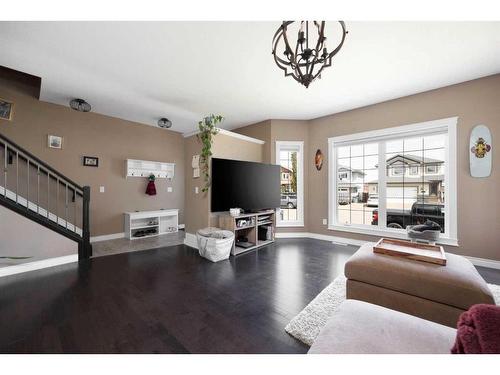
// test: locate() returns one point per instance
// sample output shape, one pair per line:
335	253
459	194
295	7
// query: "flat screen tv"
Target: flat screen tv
243	184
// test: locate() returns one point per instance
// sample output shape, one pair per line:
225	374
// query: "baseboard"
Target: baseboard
107	237
481	262
190	240
38	265
324	237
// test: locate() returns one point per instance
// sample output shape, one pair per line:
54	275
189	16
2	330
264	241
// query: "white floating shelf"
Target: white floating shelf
145	168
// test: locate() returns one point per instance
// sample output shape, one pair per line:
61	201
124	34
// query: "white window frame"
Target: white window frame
446	125
299	147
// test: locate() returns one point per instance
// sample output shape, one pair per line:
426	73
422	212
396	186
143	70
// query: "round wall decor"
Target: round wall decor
318	159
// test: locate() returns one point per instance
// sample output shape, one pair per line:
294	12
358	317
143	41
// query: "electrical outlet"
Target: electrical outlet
196	190
169	189
101	189
325	221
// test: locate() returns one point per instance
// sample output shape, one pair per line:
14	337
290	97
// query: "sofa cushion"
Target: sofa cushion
358	327
457	284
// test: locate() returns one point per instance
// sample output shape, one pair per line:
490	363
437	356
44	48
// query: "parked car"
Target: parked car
418	214
288	200
372	201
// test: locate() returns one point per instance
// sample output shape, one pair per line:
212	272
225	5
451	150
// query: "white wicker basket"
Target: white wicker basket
214	244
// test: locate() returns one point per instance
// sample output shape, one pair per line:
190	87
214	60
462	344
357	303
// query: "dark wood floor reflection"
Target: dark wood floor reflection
168	301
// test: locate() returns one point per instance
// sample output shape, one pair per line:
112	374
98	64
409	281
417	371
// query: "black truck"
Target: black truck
418	214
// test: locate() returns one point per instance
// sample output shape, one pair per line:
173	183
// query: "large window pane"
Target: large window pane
413	169
289	157
288	163
357	184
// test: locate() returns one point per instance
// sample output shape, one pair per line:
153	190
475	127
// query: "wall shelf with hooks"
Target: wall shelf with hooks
145	168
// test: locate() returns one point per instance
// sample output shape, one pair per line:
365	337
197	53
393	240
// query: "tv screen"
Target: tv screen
243	184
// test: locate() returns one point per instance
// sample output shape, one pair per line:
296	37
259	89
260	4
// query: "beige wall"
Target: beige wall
42	243
290	130
262	131
283	130
474	102
112	140
197	206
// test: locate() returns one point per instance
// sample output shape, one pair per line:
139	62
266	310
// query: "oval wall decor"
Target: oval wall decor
318	159
480	151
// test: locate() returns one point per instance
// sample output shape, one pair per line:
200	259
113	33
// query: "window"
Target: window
388	179
289	155
431	169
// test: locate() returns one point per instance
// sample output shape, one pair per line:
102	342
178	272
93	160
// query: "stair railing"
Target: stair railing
19	166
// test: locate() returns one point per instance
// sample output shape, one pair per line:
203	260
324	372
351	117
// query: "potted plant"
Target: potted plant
208	129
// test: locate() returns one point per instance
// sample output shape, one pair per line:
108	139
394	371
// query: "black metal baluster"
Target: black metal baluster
38	189
28	186
5	172
57	202
17	177
48	195
74	208
66	201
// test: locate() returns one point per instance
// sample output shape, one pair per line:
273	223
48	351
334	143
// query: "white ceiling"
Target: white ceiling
142	71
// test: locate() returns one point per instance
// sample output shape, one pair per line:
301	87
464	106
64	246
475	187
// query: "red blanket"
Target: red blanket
478	331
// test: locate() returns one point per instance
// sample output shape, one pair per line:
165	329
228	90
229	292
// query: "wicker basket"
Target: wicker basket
214	244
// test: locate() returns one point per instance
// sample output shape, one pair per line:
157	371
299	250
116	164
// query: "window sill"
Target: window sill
387	233
290	224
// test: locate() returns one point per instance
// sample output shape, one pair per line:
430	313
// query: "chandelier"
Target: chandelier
307	59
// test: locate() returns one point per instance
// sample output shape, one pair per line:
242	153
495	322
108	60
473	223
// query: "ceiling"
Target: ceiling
141	71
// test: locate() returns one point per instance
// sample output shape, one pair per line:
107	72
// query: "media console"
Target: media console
258	228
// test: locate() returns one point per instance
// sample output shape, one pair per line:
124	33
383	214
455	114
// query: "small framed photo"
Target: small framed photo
90	161
55	141
6	110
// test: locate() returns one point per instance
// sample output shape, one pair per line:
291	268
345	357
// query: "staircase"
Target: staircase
38	192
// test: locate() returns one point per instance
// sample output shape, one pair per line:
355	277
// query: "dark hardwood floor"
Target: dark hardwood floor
170	300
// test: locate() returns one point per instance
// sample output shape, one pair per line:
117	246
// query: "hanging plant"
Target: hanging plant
208	129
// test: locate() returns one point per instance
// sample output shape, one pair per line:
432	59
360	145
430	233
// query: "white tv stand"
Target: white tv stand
151	223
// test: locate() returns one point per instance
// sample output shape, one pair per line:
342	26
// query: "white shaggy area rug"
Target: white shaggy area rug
307	324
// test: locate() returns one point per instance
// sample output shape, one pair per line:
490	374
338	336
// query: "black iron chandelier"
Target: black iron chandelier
309	56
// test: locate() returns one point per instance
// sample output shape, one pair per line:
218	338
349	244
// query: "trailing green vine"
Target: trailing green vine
208	129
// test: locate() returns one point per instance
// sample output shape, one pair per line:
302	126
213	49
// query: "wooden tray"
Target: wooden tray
410	250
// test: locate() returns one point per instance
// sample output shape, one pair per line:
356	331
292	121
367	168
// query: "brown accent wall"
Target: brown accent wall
112	140
474	102
197	206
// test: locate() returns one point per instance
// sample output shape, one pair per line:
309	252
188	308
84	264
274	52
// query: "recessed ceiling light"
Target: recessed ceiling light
80	105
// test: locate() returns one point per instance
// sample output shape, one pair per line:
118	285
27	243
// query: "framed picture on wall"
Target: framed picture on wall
90	161
54	141
6	110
